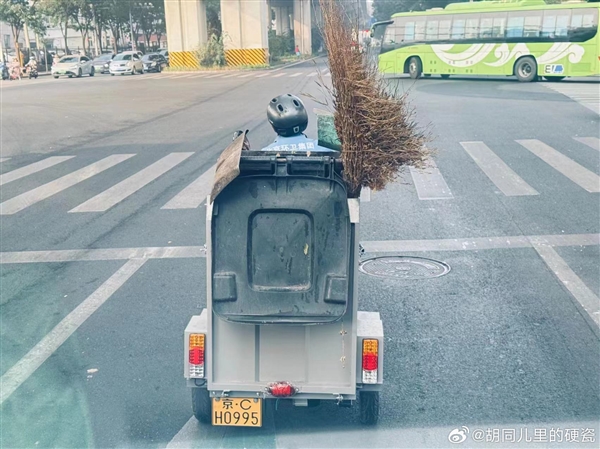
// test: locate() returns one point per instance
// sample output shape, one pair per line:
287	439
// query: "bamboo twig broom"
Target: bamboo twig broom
376	127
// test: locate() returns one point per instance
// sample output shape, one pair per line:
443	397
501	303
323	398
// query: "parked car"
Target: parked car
154	62
102	63
73	65
126	62
164	54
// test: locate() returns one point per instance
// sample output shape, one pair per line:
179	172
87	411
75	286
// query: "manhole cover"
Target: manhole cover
401	267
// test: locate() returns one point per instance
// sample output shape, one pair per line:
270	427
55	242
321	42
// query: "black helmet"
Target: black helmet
287	115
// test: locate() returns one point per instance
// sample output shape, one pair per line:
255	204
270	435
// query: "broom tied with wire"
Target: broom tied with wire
375	126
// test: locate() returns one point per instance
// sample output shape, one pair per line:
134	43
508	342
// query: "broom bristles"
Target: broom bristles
375	127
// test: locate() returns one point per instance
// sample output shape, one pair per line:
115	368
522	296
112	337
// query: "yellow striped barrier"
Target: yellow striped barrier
247	56
183	59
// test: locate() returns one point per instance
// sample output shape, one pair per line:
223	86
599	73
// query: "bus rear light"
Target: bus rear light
196	356
370	361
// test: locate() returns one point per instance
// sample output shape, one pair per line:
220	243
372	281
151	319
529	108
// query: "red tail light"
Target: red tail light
370	361
281	389
196	356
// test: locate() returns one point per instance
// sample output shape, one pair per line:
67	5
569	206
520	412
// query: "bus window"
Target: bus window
444	31
514	28
472	29
420	30
549	24
584	24
409	32
499	26
562	23
432	30
532	26
458	29
485	26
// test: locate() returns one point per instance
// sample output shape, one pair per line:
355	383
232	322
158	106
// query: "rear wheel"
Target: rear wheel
415	68
79	73
56	77
369	407
554	78
526	69
445	76
92	72
201	405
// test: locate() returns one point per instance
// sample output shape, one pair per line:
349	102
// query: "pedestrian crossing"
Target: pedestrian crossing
586	93
429	183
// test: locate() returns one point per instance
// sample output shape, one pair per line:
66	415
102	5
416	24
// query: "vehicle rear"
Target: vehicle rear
281	321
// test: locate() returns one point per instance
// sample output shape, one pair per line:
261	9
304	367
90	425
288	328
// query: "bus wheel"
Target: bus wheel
554	78
526	69
445	76
415	68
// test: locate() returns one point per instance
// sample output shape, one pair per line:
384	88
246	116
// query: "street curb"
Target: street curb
169	72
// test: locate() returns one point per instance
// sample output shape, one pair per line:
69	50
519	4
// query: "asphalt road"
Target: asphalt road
102	263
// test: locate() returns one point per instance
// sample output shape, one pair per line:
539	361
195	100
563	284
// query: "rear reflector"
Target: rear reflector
370	361
196	356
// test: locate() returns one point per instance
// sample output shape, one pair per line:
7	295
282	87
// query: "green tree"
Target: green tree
16	14
61	14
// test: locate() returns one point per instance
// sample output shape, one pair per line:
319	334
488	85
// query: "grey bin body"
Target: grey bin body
282	257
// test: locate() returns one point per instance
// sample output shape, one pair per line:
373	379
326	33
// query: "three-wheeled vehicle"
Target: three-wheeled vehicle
282	319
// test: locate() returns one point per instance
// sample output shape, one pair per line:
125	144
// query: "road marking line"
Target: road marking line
87	255
164	77
24	368
233	75
587	95
32	168
592	142
214	76
194	194
497	171
312	74
194	252
583	297
328	75
295	75
45	191
430	183
247	75
2	159
187	76
279	74
117	193
480	243
568	167
263	74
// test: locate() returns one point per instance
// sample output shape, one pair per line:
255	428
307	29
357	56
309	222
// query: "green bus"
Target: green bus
525	38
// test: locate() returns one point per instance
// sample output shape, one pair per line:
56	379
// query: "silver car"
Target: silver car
127	62
102	63
73	65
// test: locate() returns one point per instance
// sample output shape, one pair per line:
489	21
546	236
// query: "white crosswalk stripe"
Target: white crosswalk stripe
430	183
507	181
2	159
30	169
129	186
45	191
194	194
587	94
295	75
263	74
581	176
312	74
592	142
278	75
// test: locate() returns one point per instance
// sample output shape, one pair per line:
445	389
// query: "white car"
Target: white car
126	62
73	65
